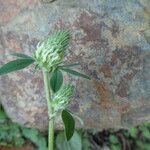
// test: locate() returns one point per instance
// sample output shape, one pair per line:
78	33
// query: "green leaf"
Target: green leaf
115	147
56	80
3	115
35	137
10	134
133	132
15	65
75	142
19	141
69	124
77	117
24	56
113	139
142	145
86	144
73	72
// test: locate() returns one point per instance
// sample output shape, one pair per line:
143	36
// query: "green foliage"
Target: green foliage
134	138
114	142
115	147
86	144
15	65
143	146
3	116
113	139
12	134
73	72
77	118
69	124
23	56
56	80
75	143
79	141
145	131
35	137
133	132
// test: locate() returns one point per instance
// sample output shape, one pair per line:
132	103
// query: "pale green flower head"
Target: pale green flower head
63	97
51	51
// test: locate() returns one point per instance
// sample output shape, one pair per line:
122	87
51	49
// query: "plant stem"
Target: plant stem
50	110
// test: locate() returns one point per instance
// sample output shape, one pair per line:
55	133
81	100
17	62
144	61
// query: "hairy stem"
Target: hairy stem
50	110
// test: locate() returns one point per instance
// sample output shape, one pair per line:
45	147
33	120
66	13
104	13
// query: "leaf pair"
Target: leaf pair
18	64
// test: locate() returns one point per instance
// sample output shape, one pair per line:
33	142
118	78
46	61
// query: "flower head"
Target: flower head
62	97
51	51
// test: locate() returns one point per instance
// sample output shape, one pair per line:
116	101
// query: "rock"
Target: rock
109	39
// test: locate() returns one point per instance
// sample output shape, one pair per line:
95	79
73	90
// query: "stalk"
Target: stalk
50	110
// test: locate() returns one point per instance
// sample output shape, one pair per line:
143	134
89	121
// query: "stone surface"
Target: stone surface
111	40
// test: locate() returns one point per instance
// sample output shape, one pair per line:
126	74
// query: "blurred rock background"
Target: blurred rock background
111	40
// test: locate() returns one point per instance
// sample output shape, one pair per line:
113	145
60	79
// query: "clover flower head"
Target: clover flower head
62	98
51	51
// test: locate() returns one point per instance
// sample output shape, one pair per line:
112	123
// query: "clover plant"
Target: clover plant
48	57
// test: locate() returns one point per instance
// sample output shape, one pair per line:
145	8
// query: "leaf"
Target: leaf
142	145
19	141
3	115
35	137
69	124
75	142
10	135
24	56
77	117
15	65
133	132
56	80
115	147
86	144
73	72
113	139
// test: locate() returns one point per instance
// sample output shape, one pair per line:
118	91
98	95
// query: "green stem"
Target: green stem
50	110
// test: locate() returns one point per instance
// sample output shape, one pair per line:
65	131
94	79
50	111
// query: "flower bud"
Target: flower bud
62	97
51	51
